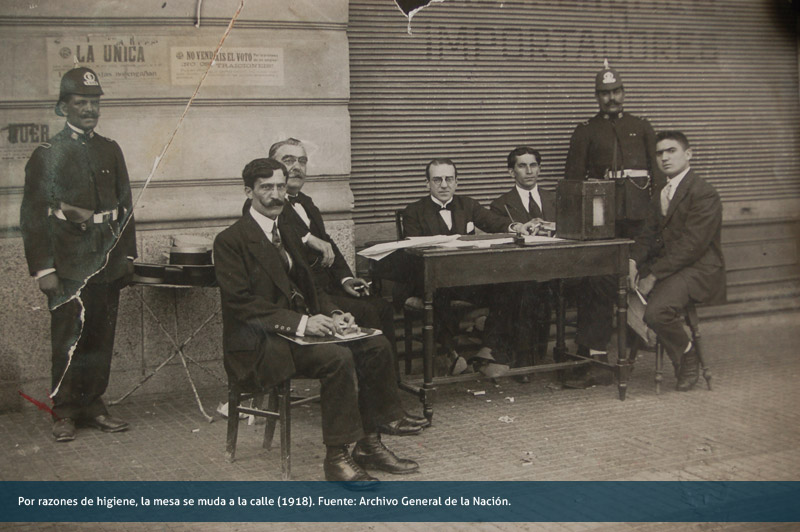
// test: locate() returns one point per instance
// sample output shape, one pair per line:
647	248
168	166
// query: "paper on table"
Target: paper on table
475	243
379	251
538	239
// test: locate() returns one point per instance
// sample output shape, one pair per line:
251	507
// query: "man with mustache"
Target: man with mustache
618	146
334	276
268	290
77	228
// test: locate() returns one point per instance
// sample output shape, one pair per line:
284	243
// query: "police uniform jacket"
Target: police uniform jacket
326	278
257	302
685	242
592	150
422	218
510	202
84	171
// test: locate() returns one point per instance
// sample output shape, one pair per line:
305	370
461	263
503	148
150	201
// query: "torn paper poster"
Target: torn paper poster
410	8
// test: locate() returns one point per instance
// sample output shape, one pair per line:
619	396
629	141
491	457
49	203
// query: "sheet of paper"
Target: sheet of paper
379	251
475	243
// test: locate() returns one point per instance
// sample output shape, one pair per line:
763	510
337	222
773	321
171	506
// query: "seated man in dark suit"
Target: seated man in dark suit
348	292
444	213
523	203
677	258
267	289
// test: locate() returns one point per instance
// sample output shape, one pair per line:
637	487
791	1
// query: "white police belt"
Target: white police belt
624	174
98	217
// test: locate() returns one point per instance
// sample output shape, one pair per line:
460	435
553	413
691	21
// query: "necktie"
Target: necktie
665	198
276	241
533	208
293	199
446	214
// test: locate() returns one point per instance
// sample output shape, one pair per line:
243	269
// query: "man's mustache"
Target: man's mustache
90	115
274	202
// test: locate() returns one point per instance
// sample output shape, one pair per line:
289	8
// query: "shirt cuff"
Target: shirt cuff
345	279
301	328
42	273
304	238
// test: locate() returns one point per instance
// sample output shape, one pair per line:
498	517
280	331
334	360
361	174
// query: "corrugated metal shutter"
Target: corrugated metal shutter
477	78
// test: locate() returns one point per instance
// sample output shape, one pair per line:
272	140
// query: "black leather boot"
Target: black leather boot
689	372
340	467
371	453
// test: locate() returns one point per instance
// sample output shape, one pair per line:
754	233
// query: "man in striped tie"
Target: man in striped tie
528	306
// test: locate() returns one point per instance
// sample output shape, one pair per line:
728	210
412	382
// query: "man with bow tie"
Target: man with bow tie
267	289
442	213
526	202
77	226
677	258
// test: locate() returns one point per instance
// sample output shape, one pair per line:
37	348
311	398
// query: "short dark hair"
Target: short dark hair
523	150
278	145
440	161
677	136
258	168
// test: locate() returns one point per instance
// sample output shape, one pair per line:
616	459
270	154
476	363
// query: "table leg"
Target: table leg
194	388
428	348
623	364
560	349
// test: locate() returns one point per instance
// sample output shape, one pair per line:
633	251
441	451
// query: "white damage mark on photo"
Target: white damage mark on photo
129	216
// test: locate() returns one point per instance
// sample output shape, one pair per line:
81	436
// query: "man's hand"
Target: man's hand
633	275
344	322
531	227
323	247
320	325
50	284
356	287
646	284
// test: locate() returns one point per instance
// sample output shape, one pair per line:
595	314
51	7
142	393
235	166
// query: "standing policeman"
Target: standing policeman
80	242
618	146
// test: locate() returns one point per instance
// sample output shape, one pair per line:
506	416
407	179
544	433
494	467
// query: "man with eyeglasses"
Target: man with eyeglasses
445	213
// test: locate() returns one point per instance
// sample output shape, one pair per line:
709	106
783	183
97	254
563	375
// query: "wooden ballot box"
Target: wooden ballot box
585	209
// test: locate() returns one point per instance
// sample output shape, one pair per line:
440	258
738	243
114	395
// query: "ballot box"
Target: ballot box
585	209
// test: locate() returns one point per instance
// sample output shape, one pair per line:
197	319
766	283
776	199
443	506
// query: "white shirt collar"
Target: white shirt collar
440	204
523	196
79	131
675	181
264	222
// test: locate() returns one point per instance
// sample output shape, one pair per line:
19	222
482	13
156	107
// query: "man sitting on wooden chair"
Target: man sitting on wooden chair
444	212
677	259
267	291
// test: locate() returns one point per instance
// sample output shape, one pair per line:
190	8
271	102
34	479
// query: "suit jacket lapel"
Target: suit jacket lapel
516	207
267	255
680	193
459	217
432	217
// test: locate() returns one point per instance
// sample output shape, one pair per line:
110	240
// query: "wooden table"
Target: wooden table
506	263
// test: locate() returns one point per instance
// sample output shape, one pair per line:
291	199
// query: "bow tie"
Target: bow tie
293	199
448	207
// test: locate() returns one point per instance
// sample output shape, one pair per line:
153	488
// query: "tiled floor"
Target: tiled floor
746	429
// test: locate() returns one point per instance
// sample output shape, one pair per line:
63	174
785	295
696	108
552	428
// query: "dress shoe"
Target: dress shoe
339	466
400	427
458	366
689	371
586	376
418	421
493	370
107	423
371	453
64	429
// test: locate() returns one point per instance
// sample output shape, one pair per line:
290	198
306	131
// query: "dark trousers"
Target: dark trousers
596	297
82	349
358	389
664	314
519	321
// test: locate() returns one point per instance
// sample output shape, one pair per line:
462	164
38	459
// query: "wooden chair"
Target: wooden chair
693	322
279	408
